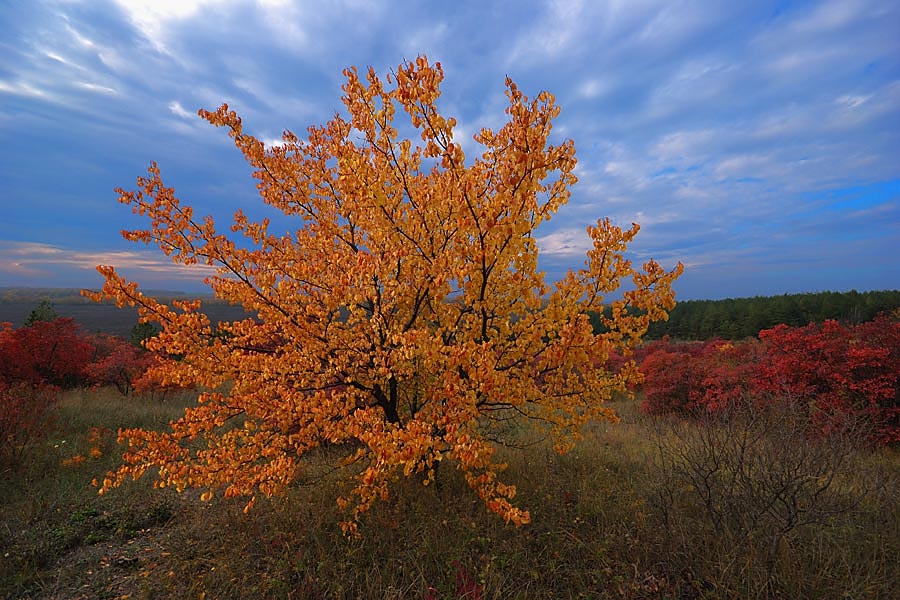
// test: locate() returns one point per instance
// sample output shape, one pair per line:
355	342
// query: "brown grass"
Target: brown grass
596	531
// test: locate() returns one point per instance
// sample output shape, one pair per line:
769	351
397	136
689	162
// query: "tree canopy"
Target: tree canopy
42	312
404	321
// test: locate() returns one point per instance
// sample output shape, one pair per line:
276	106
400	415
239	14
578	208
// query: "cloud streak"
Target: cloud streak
33	263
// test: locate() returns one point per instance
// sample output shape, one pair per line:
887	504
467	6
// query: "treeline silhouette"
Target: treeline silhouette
738	318
732	318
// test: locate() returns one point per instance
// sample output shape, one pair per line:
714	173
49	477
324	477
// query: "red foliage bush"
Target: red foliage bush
672	377
684	378
59	353
116	362
729	373
37	360
840	373
44	353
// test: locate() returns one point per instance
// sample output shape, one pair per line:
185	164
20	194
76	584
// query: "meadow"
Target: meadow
619	517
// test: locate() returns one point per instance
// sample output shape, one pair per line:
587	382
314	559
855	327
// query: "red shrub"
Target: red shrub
672	377
116	362
841	372
728	373
884	332
684	378
47	352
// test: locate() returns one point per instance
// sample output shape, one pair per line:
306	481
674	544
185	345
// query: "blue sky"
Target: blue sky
757	142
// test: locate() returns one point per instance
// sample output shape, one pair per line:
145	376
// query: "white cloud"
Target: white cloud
37	257
268	99
628	169
29	249
556	31
77	36
179	111
565	242
593	88
852	101
272	142
829	16
425	38
287	23
688	144
21	88
53	55
744	165
323	29
95	87
152	17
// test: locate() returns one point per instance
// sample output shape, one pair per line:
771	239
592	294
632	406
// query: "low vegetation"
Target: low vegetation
762	468
837	373
622	516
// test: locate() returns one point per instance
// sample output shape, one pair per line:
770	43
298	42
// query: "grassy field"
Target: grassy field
613	519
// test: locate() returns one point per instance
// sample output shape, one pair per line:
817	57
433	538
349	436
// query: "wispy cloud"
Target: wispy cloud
178	110
564	243
37	263
21	88
154	19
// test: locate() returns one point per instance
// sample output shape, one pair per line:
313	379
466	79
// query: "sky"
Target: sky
757	142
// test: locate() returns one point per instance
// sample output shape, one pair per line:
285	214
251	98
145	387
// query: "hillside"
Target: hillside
17	303
22	295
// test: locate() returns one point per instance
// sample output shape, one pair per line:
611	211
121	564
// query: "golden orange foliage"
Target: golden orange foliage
404	320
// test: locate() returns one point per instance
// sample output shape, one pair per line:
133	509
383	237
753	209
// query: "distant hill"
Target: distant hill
17	303
19	295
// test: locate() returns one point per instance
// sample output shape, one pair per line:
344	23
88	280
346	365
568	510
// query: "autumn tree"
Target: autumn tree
404	319
117	362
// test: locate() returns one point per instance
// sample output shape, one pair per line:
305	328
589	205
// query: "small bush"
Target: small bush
117	363
24	419
751	476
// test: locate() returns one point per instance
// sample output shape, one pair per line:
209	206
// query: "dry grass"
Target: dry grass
596	532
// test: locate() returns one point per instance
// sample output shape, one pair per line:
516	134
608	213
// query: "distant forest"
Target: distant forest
738	318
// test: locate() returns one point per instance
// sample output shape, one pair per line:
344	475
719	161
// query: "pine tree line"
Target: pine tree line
738	318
